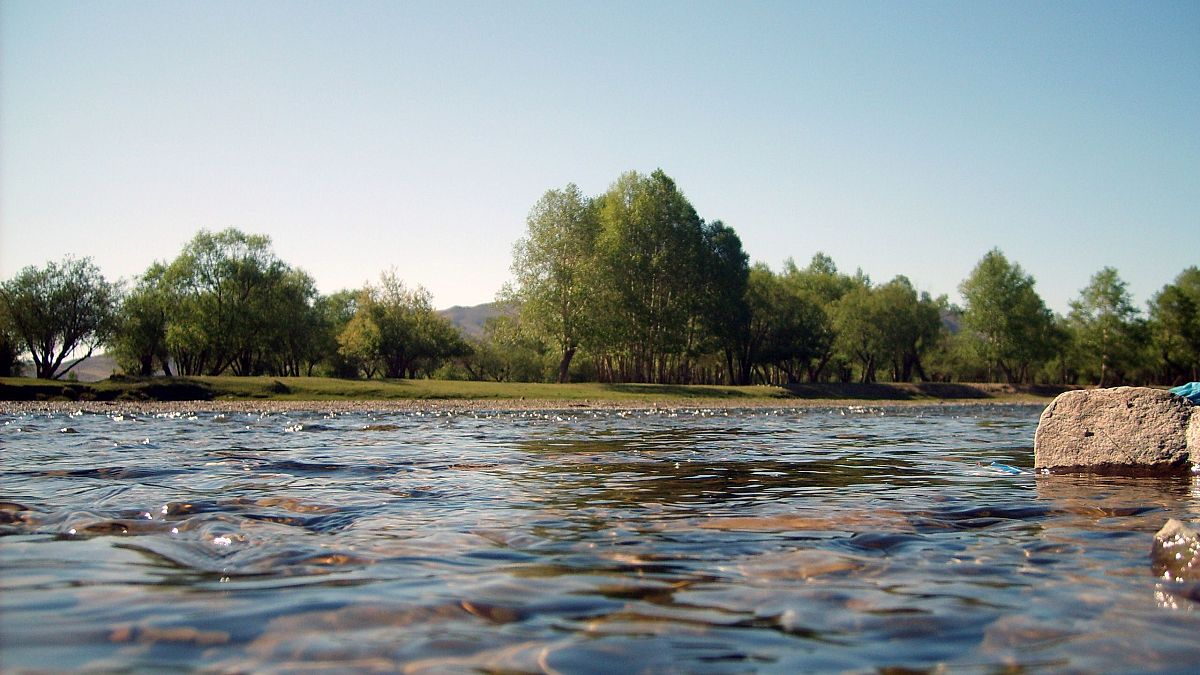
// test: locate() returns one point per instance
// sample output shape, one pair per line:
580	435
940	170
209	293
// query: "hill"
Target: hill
98	367
470	320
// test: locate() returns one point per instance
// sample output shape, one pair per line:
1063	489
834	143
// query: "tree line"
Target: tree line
631	285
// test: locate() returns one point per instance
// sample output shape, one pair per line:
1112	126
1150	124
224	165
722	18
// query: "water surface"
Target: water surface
576	541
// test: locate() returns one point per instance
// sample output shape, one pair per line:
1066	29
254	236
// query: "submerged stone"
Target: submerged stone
1175	554
1125	430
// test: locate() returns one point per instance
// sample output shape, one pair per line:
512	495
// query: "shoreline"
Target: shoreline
478	405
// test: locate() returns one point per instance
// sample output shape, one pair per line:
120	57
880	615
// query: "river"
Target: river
576	541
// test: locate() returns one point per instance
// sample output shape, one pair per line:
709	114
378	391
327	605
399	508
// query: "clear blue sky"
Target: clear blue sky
899	137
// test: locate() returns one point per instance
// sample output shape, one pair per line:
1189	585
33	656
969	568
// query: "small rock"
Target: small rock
1135	430
1176	552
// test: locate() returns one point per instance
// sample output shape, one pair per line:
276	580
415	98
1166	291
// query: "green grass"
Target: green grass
330	389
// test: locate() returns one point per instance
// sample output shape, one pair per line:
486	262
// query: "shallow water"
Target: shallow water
688	541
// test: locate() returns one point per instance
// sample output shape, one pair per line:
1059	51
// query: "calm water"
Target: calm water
696	541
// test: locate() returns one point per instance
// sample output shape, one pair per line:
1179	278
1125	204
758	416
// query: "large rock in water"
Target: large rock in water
1121	430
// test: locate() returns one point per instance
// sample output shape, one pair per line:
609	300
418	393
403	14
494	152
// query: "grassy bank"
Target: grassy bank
328	389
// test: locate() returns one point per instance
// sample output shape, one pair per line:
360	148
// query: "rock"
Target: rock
1175	554
1193	437
1131	430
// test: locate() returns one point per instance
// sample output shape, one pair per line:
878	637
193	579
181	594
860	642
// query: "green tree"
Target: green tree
1175	327
911	326
787	329
359	340
333	313
222	285
141	336
237	307
725	312
291	330
555	269
1006	318
507	353
59	309
10	345
1107	327
821	285
860	325
652	253
395	331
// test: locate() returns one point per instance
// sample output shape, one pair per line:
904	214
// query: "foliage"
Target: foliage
360	340
234	305
631	286
10	345
724	309
1008	319
888	325
332	314
141	336
555	268
59	309
508	353
1175	328
670	284
394	331
821	285
1107	328
785	327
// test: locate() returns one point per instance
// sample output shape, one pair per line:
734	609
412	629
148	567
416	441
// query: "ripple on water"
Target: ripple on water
854	538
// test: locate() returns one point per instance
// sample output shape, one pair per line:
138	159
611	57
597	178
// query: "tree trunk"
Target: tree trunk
564	366
916	365
868	370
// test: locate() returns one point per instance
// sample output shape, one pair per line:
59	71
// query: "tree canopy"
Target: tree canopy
1108	327
631	285
1008	316
555	267
55	310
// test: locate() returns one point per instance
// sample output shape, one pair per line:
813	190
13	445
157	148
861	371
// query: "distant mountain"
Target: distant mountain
952	320
470	320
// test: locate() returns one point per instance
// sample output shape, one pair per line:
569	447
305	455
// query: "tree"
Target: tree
725	312
635	279
1175	327
395	331
141	334
291	338
10	345
236	307
911	325
821	285
359	339
861	327
59	309
1010	323
1106	326
787	327
652	255
555	269
506	352
333	313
